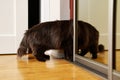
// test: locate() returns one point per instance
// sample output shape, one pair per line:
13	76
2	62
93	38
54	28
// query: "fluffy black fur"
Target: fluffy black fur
59	35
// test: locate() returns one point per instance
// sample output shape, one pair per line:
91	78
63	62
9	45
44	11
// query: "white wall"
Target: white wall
64	9
45	10
21	20
13	23
54	10
96	13
6	12
118	23
83	9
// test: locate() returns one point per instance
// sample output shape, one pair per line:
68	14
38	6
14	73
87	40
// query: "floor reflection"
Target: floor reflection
103	58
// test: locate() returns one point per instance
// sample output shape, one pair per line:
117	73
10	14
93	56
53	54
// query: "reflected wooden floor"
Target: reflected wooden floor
54	69
103	58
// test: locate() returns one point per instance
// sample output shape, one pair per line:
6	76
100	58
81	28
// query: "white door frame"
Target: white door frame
18	19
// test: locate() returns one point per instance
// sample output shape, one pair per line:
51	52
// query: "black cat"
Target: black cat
59	35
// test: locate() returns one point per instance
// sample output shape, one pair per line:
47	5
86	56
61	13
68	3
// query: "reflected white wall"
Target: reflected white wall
96	13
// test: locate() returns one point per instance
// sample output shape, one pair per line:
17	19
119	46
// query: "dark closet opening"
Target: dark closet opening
33	12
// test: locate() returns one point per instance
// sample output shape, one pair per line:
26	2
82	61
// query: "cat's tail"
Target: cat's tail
101	48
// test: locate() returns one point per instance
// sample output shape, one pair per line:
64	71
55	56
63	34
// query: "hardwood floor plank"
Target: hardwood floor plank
54	69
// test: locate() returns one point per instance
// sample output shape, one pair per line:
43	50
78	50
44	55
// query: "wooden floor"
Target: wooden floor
54	69
103	58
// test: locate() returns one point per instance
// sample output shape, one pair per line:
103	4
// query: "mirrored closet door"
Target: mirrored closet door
117	36
96	13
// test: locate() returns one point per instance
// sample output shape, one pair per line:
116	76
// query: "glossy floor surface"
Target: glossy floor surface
103	58
54	69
